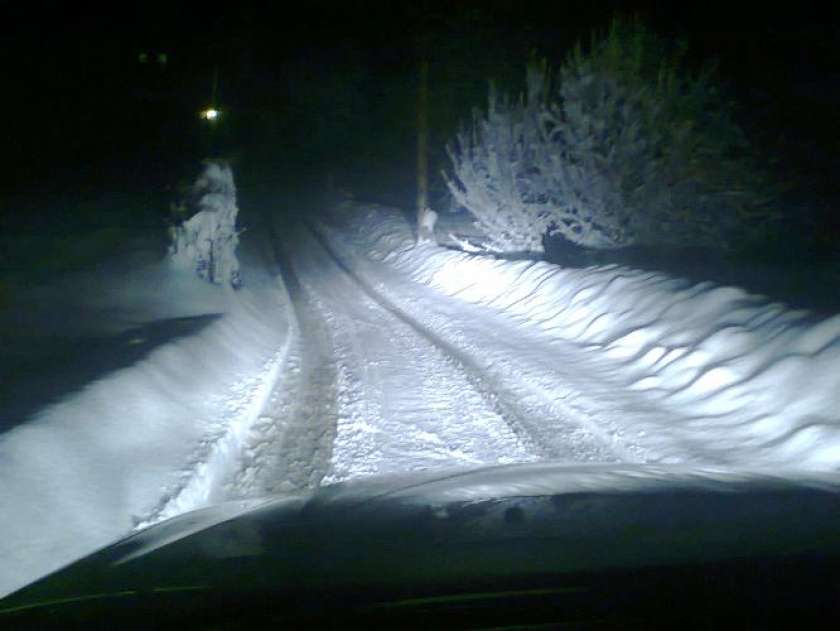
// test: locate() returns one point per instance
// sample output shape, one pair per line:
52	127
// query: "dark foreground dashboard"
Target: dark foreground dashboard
525	546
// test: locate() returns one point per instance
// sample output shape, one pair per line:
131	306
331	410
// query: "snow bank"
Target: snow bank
754	382
147	441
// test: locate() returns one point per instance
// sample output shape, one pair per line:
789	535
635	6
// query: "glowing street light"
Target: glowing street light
210	114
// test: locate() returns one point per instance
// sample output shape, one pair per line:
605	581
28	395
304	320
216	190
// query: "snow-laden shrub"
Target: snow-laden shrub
629	147
206	241
492	164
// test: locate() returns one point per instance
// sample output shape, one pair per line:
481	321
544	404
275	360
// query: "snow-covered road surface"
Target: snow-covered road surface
403	402
666	370
351	353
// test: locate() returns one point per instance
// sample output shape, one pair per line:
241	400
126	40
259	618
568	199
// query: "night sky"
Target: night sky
332	88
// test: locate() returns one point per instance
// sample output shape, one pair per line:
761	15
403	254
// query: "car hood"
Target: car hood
386	539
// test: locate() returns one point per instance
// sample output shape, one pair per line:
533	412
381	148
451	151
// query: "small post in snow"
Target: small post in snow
426	217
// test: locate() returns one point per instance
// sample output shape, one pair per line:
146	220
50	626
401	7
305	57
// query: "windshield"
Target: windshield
244	255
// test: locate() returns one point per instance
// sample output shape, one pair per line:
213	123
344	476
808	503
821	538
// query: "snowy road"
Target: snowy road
403	402
350	352
553	395
657	369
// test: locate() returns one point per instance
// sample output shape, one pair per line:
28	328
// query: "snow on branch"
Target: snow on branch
206	241
628	148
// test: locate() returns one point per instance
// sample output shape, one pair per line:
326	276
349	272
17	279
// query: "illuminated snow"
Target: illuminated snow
408	358
683	360
145	441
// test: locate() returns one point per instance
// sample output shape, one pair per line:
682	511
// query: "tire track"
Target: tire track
524	421
557	427
292	450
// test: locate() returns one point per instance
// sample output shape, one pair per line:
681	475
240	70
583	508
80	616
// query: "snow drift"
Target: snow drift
753	382
152	439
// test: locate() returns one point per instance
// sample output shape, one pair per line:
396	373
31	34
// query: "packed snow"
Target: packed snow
404	404
349	352
145	441
699	372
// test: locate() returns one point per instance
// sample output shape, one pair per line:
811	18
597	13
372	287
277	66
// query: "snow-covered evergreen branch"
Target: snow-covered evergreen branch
206	241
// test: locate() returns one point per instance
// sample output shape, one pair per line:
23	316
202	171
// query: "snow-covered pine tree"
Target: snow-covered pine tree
628	147
493	170
206	240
